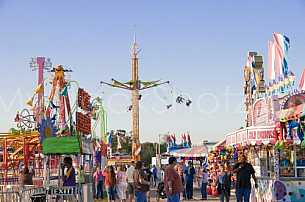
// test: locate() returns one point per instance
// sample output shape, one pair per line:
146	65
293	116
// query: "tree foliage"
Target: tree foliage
148	149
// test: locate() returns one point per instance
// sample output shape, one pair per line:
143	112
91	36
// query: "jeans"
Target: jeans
99	189
174	198
243	194
203	190
140	196
189	190
111	193
224	197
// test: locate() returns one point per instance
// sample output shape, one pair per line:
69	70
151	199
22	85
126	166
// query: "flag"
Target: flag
282	44
64	91
184	137
110	138
173	138
302	81
39	89
189	140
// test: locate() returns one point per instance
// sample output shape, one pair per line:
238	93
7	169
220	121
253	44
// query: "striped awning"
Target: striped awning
193	152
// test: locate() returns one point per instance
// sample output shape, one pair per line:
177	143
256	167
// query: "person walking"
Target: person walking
130	182
189	178
110	182
204	184
224	185
27	177
141	185
69	173
121	183
172	181
179	169
155	175
99	181
148	177
244	171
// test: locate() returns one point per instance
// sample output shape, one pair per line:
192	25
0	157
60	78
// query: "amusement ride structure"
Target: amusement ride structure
135	85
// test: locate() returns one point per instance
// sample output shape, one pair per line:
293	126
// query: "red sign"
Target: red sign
83	99
83	123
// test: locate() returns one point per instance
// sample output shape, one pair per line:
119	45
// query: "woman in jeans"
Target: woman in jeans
98	180
204	184
110	183
224	185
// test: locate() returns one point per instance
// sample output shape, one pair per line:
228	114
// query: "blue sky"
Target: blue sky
200	46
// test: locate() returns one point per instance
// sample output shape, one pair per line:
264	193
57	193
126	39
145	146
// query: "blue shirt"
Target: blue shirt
189	174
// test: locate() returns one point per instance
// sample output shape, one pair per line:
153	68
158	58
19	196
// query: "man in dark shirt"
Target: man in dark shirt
189	178
244	171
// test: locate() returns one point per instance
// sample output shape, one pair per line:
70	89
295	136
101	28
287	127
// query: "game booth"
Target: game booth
80	150
273	136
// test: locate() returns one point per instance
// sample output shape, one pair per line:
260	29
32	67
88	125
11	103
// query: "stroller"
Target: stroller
160	191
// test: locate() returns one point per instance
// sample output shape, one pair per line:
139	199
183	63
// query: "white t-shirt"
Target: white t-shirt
129	173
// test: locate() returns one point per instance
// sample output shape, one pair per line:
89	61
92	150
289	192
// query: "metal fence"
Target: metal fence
69	194
15	193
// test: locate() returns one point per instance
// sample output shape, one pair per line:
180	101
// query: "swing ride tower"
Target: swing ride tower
135	85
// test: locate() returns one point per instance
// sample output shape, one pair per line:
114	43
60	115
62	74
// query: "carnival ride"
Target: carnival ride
135	85
47	118
16	148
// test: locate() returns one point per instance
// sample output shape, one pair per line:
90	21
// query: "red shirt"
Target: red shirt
108	183
171	175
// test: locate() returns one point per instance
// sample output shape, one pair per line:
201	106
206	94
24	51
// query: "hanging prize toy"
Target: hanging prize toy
291	125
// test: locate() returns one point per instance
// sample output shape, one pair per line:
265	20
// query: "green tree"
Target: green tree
148	150
125	142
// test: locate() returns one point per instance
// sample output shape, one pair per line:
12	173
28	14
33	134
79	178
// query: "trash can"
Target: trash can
39	198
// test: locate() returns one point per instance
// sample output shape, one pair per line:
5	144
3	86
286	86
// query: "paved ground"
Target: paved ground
197	197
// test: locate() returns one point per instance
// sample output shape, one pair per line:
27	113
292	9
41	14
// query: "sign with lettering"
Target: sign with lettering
63	191
83	123
251	135
83	99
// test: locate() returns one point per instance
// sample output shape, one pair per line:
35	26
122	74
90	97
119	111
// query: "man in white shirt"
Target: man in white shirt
130	181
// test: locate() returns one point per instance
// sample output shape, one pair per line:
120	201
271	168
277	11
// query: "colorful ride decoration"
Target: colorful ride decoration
25	120
20	148
58	107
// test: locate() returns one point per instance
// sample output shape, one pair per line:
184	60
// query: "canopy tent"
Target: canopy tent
61	145
193	152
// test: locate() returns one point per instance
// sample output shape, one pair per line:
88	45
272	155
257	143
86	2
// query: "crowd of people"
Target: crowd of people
179	181
174	182
125	182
